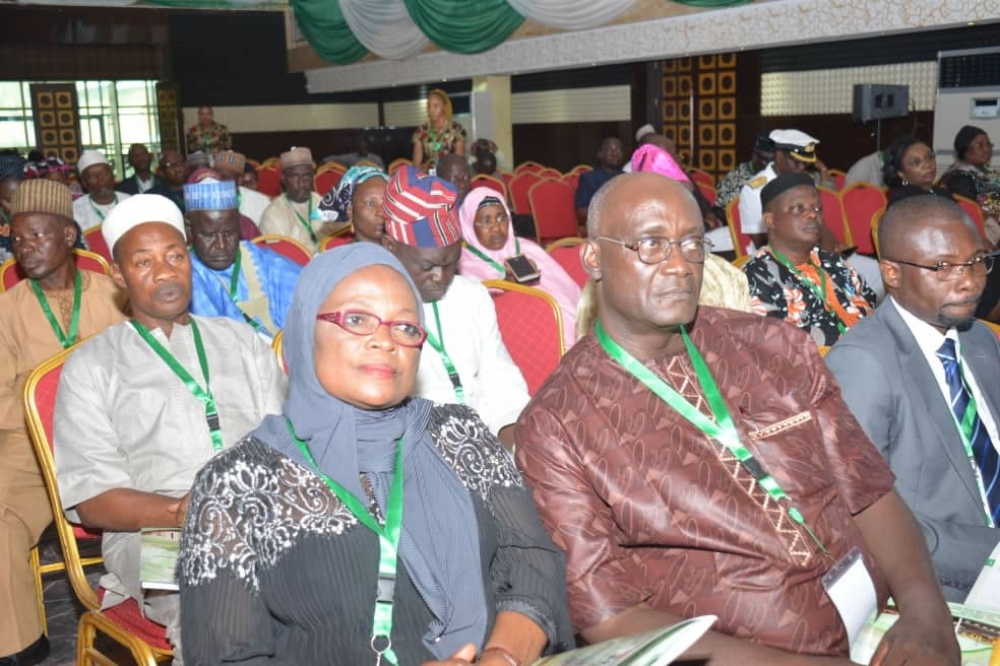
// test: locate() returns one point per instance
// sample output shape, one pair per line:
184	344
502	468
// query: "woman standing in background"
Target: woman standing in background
440	135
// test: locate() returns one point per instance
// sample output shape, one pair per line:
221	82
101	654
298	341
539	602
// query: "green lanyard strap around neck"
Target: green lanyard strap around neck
722	429
818	291
437	342
305	223
203	395
98	210
388	541
65	339
234	283
485	257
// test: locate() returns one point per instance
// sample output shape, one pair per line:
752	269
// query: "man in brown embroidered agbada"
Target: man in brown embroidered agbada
659	520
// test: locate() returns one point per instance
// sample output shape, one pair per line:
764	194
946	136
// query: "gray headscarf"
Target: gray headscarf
439	544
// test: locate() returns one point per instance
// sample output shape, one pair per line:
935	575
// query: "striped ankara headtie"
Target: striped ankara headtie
420	210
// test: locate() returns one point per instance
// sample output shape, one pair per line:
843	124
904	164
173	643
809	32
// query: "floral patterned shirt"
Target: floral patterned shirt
777	291
213	140
438	145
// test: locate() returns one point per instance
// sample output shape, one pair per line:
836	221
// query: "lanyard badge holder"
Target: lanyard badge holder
437	342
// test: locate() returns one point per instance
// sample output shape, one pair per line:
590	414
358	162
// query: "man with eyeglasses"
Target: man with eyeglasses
693	460
792	278
921	377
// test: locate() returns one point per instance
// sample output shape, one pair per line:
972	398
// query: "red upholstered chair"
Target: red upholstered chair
398	162
839	178
529	166
287	247
342	237
572	179
701	178
566	252
860	203
10	272
707	191
974	212
328	177
519	186
550	173
581	168
740	239
124	623
94	238
531	327
492	182
876	221
269	181
552	206
833	213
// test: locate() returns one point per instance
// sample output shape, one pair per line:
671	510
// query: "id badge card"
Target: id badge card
852	591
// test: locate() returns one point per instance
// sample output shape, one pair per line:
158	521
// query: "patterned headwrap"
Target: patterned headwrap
655	159
11	166
420	209
337	202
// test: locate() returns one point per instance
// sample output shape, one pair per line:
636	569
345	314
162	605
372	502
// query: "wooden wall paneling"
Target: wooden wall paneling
171	119
564	145
57	120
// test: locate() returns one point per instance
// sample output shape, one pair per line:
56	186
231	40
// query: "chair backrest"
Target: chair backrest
287	247
11	274
701	178
740	239
553	207
270	163
707	191
550	173
876	221
974	212
993	327
833	213
568	256
342	237
492	182
839	178
39	399
528	167
519	186
398	162
860	202
269	181
94	238
581	168
740	262
572	179
327	180
531	328
277	344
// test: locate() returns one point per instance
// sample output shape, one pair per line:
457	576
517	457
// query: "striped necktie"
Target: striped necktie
963	404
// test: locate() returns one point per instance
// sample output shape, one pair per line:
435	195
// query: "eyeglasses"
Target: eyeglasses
359	322
655	250
946	270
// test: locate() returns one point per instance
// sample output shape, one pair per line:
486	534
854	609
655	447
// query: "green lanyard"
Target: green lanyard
234	283
305	223
964	428
818	292
97	210
388	541
65	339
722	430
204	395
437	342
495	264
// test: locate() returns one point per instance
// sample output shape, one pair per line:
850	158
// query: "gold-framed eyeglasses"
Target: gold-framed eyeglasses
952	270
656	249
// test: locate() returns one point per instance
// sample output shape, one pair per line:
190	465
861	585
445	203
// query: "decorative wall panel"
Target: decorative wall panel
57	120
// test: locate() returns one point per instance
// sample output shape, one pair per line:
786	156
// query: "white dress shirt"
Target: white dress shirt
89	214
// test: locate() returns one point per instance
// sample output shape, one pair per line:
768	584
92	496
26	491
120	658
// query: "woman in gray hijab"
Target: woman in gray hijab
363	526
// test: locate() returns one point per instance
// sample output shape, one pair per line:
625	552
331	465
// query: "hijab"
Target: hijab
439	544
467	218
338	199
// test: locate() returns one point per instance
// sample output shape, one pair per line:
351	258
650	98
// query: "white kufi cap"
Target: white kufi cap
140	209
89	158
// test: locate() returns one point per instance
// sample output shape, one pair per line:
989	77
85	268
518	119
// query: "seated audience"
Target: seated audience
11	175
732	183
175	172
464	360
230	278
647	136
920	376
910	170
868	169
249	179
296	213
362	154
476	577
143	405
440	135
99	182
455	169
248	230
232	166
56	306
609	165
358	199
972	178
490	242
486	164
792	278
142	179
633	449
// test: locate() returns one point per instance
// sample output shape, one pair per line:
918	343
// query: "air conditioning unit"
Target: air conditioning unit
968	94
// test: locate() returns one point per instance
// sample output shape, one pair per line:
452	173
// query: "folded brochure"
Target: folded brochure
158	558
653	648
